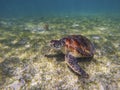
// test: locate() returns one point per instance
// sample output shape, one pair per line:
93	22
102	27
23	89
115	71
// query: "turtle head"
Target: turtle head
56	44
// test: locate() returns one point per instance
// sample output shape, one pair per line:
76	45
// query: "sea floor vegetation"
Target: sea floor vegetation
26	62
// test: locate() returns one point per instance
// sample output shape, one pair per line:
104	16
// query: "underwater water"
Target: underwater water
26	59
28	8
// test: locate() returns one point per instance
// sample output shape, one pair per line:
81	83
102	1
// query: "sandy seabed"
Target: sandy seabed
24	44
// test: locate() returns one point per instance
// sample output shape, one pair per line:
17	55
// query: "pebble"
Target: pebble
75	25
96	37
27	46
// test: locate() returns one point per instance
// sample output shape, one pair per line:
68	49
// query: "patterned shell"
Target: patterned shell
79	46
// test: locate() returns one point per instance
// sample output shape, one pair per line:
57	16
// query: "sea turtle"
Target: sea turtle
75	46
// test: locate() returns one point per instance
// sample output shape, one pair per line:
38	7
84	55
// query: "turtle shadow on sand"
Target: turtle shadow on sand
59	56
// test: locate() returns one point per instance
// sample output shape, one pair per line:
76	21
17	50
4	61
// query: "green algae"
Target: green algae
24	46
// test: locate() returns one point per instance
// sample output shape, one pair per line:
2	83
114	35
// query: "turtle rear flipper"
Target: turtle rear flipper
73	64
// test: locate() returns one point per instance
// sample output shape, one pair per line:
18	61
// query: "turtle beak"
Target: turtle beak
51	45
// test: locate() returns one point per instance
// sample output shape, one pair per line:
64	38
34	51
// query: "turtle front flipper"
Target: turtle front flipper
73	64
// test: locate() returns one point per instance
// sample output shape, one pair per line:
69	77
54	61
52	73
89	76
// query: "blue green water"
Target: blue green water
19	8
